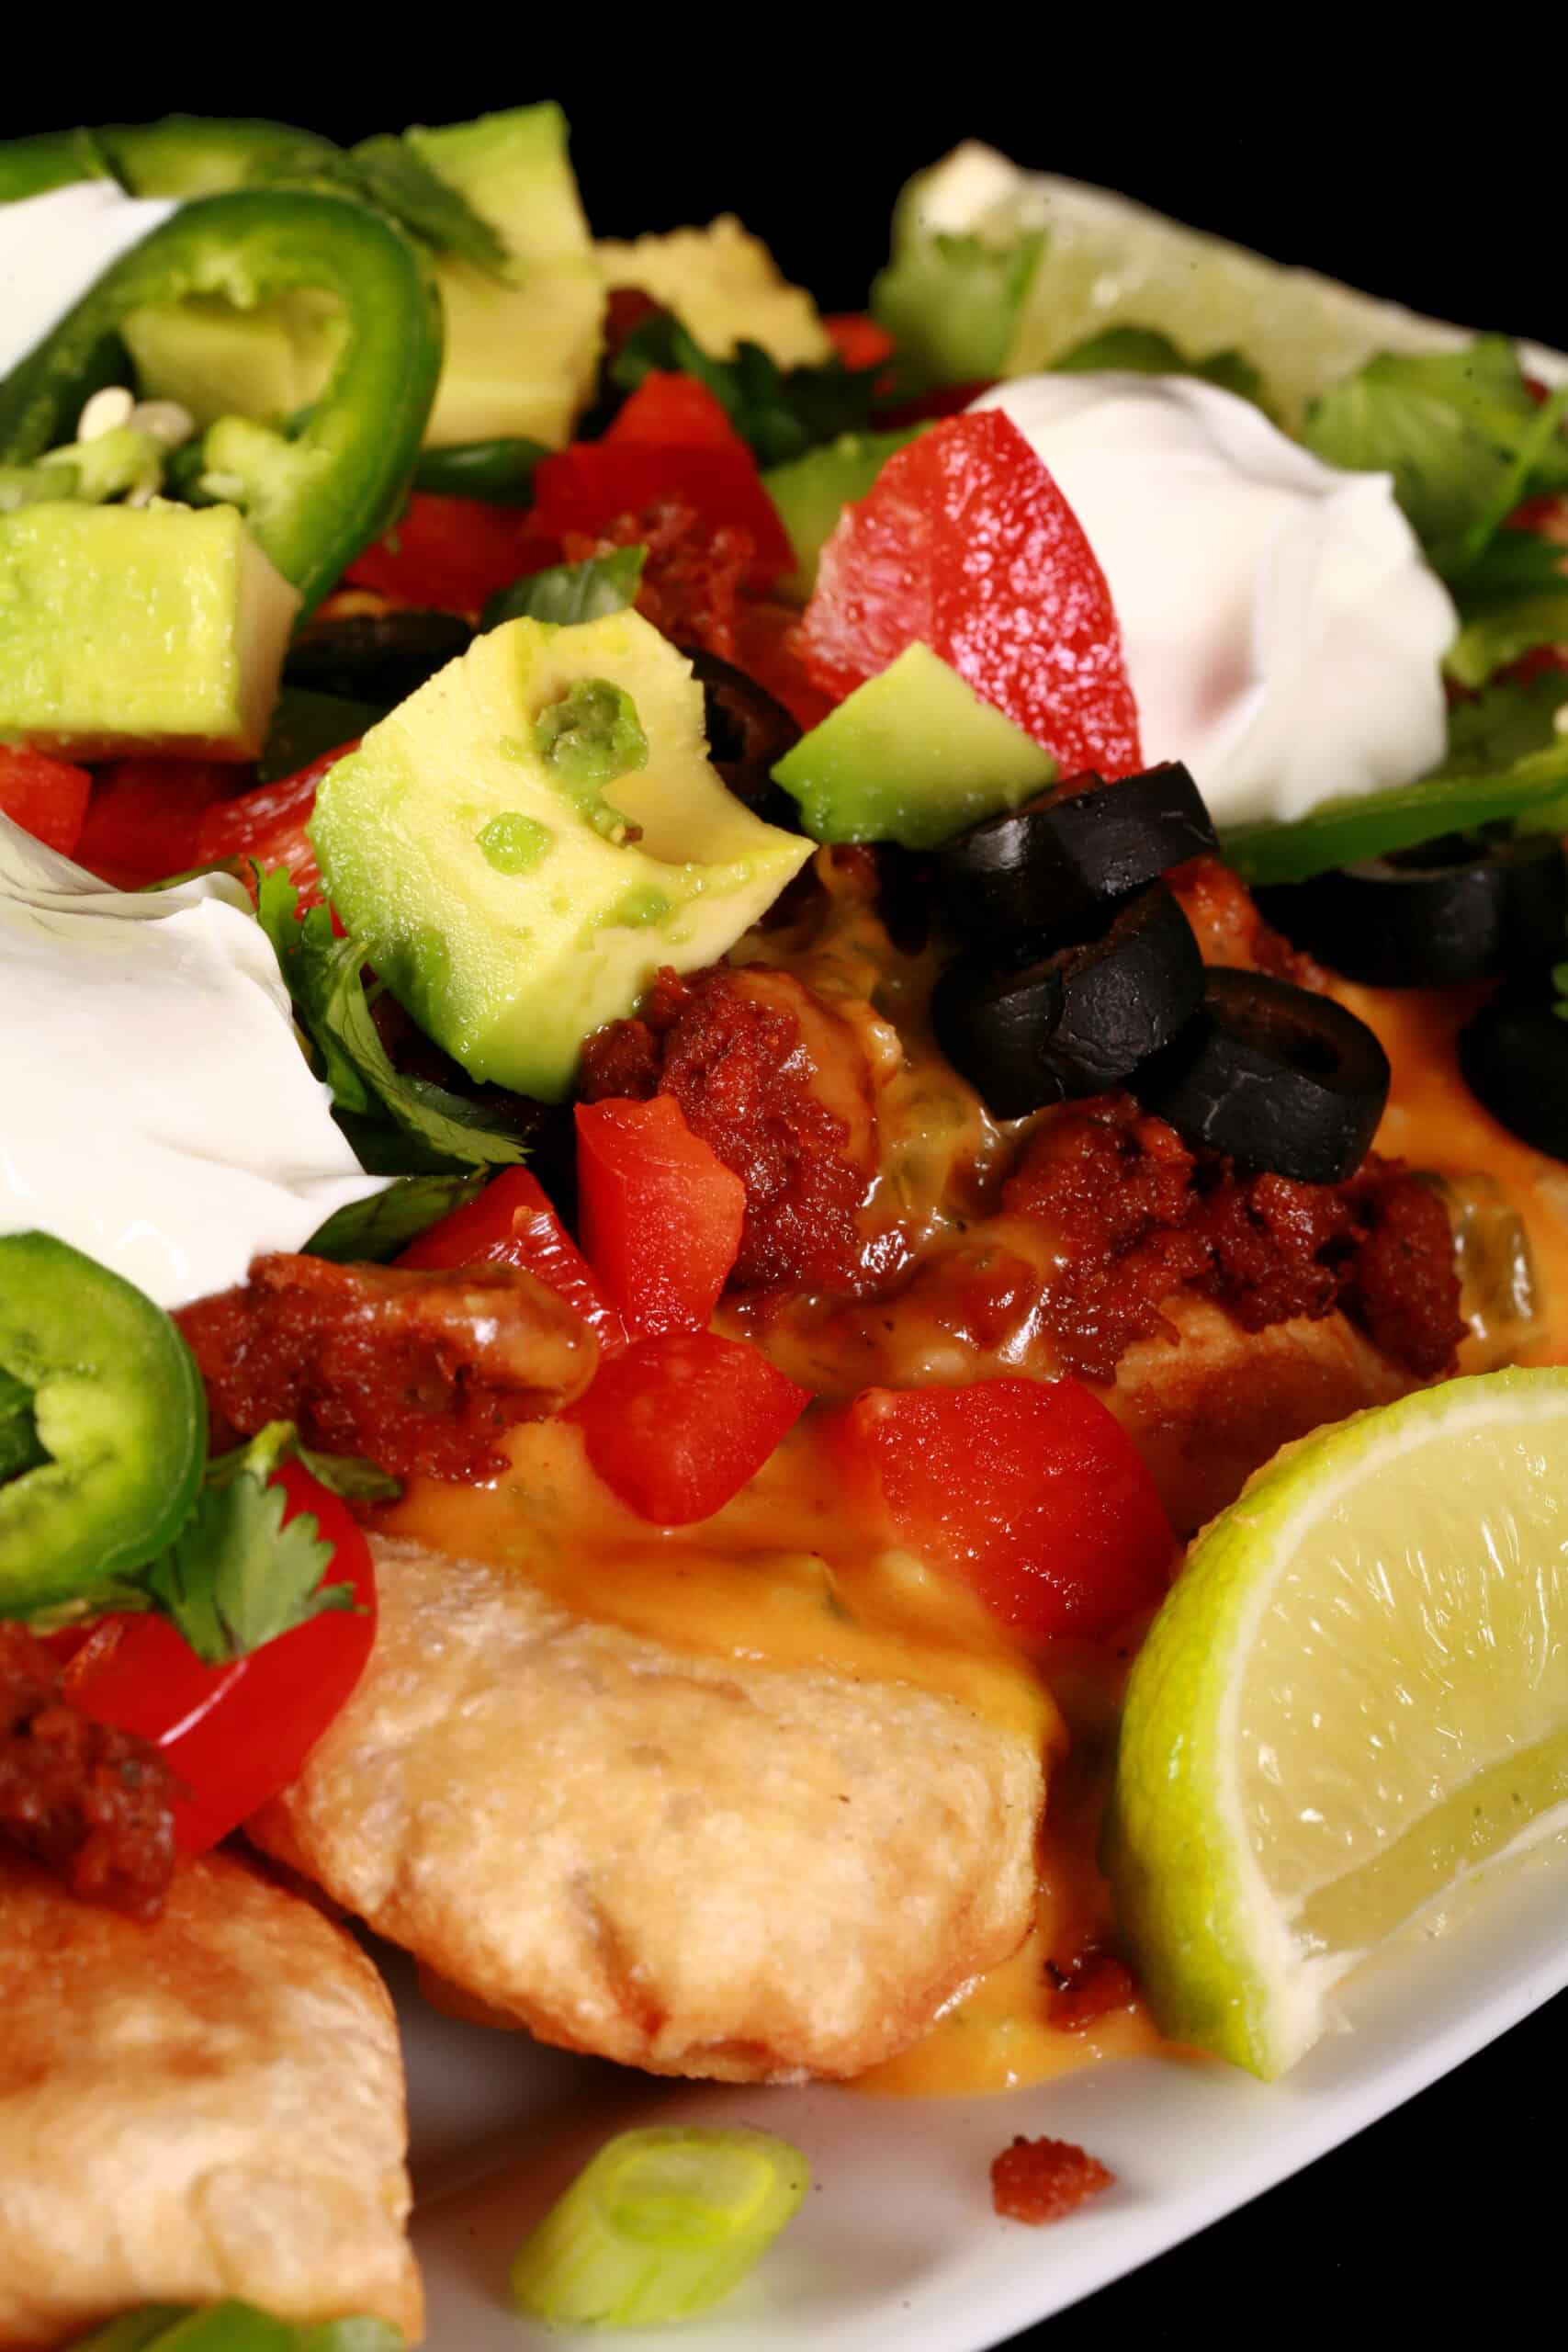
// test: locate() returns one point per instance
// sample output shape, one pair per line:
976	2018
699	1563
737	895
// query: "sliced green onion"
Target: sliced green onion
235	2328
657	2226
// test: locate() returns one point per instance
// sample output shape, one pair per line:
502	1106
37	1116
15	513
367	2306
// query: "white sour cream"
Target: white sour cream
1282	635
53	247
155	1108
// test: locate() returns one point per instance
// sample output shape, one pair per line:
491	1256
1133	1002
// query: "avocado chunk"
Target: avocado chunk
153	629
523	359
914	755
529	836
812	492
217	360
725	288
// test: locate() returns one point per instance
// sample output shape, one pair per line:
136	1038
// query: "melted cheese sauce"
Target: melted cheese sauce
791	1574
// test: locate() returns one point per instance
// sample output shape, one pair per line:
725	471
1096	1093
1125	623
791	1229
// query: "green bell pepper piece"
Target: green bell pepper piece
319	491
53	159
192	154
117	1411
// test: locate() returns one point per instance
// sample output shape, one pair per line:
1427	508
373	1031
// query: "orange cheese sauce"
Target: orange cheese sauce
791	1574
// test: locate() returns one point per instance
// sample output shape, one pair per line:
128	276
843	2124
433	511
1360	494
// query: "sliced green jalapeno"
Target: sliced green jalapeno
317	492
107	1423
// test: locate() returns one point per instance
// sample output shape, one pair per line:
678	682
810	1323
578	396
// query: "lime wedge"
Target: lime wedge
1109	262
1356	1694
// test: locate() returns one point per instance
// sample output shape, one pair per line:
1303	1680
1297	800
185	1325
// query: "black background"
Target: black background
1443	182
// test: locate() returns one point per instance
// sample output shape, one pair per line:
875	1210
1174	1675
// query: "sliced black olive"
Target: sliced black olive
1458	909
1050	865
1078	1021
375	657
1275	1076
1513	1056
749	732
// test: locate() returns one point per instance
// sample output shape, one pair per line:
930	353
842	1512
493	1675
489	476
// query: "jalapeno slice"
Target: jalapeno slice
116	1410
319	491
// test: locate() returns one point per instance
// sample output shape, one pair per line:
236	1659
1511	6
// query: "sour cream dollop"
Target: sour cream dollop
158	1112
1282	635
54	247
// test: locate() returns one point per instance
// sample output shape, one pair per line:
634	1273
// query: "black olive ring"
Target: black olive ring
748	731
1453	909
1513	1056
375	657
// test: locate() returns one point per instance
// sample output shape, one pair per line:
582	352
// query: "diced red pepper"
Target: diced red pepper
671	412
512	1223
965	543
1032	1491
660	1214
454	554
47	798
677	1424
144	818
235	1735
859	341
584	490
268	826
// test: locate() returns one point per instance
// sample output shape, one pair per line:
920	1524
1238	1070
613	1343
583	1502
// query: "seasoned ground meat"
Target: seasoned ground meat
415	1371
1137	1215
692	575
91	1804
778	1087
1091	1985
1041	2180
1229	928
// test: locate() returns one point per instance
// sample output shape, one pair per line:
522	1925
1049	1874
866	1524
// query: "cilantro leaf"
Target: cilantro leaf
401	182
1145	351
431	1128
953	303
1513	598
571	592
779	412
368	1231
1459	431
235	1577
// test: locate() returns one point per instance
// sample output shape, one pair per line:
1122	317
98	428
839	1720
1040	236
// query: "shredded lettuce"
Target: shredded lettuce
1513	598
953	303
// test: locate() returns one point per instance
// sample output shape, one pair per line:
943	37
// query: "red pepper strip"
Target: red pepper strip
587	488
452	554
859	341
677	1424
965	543
144	820
512	1223
670	412
1030	1491
235	1735
47	798
661	1215
268	826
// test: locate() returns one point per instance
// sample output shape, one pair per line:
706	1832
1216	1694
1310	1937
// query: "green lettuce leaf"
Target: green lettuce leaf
565	593
953	303
1513	598
1459	431
409	1125
1145	351
369	1231
779	412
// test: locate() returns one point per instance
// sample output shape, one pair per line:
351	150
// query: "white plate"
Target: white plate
898	2244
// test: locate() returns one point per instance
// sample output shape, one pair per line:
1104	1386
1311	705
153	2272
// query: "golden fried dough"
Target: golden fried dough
1212	1406
688	1863
208	2105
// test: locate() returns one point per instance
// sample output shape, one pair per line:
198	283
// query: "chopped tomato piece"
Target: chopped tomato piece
1029	1489
268	825
859	341
512	1223
677	1424
47	798
585	489
659	1213
965	543
674	411
452	553
235	1735
144	818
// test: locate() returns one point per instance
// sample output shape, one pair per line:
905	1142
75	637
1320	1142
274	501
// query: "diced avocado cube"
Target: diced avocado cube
218	361
726	288
515	172
812	492
528	838
153	629
913	755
